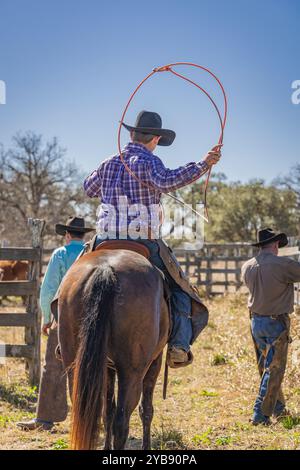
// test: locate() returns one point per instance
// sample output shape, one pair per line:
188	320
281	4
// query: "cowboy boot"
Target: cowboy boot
35	425
178	357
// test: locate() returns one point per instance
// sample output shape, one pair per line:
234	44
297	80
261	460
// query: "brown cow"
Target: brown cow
7	271
20	270
13	271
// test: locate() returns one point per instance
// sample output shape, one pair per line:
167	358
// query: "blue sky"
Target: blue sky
70	66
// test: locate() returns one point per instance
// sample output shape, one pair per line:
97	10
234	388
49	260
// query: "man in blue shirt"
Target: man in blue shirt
52	400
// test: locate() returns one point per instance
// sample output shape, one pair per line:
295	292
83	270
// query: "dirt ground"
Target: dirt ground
209	404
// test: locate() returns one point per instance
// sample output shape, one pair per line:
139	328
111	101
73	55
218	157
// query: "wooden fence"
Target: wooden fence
30	288
216	268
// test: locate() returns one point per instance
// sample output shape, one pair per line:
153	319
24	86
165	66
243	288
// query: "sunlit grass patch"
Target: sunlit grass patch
202	439
242	427
60	444
289	422
237	301
14	415
223	440
20	395
208	393
176	381
167	438
4	420
242	353
219	360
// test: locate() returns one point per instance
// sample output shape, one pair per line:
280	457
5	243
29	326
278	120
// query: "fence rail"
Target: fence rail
30	320
216	267
14	254
18	288
16	319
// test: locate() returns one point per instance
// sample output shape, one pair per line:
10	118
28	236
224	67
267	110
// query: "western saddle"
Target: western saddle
124	245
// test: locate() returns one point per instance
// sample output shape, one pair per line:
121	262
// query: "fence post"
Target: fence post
33	333
208	272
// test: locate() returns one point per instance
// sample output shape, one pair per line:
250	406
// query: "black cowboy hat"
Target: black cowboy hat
267	235
74	224
151	123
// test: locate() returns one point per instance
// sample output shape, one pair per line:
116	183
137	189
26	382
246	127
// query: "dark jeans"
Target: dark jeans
181	304
265	331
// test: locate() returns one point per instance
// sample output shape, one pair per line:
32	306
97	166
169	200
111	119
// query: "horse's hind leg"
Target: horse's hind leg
129	393
146	407
110	408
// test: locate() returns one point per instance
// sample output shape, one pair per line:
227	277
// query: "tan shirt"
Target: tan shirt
270	280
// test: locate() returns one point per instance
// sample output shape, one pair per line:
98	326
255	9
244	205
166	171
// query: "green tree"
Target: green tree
237	210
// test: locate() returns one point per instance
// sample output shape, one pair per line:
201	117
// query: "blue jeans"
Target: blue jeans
181	304
265	331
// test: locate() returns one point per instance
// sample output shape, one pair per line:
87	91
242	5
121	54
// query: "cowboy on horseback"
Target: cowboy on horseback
113	185
113	307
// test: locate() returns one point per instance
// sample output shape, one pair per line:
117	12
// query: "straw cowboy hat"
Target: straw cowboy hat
148	122
73	224
267	235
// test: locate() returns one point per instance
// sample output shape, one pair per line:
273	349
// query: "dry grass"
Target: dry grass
209	403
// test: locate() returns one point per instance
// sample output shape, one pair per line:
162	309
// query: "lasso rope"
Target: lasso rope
168	68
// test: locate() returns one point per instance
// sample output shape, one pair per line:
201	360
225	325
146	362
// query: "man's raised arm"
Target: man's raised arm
166	180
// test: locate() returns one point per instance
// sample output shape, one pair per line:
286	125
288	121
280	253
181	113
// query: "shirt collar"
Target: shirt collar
137	147
266	253
76	242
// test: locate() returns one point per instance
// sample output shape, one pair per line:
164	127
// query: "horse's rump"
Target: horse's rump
111	304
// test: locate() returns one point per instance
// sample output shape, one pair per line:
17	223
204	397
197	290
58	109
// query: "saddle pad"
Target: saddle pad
124	245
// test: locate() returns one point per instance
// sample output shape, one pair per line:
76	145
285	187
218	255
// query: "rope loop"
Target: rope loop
222	119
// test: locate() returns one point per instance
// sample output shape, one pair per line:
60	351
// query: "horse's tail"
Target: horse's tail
90	362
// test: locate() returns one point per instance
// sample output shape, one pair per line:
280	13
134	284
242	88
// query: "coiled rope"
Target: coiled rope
169	68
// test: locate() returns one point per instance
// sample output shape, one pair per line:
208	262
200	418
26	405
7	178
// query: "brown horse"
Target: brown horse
111	308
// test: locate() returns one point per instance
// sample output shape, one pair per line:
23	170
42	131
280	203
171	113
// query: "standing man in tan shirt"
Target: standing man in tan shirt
270	280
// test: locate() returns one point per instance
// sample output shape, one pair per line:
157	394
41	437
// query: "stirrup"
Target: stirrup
58	353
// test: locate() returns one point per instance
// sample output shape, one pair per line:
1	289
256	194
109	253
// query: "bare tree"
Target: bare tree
291	182
37	181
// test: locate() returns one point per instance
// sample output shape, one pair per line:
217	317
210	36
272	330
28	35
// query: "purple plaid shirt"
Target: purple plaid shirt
111	180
